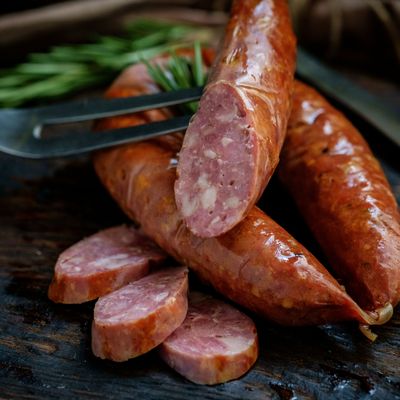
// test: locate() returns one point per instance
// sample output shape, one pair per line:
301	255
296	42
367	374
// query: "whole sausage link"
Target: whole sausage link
344	196
257	264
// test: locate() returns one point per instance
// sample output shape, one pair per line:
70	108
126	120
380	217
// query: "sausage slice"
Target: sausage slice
216	343
139	316
102	263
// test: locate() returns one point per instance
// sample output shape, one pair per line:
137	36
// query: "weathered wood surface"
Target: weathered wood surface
45	348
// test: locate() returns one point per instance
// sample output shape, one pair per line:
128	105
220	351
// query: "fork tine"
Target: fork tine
68	145
99	108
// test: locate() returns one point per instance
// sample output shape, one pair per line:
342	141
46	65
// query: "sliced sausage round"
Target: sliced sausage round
138	317
216	343
102	263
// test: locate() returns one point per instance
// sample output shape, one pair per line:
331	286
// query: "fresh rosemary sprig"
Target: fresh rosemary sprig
64	70
180	73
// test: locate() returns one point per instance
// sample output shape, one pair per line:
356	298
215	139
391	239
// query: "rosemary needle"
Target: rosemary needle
197	65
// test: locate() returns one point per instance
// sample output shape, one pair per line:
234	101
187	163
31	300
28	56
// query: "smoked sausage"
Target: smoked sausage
232	145
344	196
256	264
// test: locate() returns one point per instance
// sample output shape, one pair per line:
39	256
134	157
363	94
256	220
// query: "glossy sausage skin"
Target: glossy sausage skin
345	198
232	145
257	264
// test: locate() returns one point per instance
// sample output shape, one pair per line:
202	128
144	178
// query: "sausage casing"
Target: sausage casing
344	196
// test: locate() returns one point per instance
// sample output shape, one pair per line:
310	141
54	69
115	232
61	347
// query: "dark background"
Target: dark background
47	206
356	34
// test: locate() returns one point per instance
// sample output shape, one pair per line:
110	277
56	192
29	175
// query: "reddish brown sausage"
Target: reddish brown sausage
232	145
344	196
102	263
138	317
216	343
256	264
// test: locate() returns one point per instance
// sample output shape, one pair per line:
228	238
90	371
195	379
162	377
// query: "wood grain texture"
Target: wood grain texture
45	348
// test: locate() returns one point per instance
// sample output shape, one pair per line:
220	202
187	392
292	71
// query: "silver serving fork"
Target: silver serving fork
20	129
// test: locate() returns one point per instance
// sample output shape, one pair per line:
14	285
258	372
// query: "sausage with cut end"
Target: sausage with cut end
138	317
256	264
216	343
102	263
344	196
232	145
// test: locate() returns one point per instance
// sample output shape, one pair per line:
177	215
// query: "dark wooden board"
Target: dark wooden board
45	348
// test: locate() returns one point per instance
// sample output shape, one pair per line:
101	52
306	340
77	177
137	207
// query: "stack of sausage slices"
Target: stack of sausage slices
194	197
204	339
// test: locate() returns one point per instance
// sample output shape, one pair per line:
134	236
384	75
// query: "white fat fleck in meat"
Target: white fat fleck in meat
74	259
232	202
226	140
206	129
160	296
228	116
209	197
215	220
188	206
210	154
249	145
121	316
234	344
190	140
111	261
202	181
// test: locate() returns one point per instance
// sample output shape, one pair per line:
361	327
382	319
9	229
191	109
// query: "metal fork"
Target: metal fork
20	129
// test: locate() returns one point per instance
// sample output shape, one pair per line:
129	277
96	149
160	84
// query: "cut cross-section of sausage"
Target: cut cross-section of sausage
138	317
232	144
102	263
216	343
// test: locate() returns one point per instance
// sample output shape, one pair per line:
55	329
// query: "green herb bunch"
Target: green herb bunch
180	73
64	70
